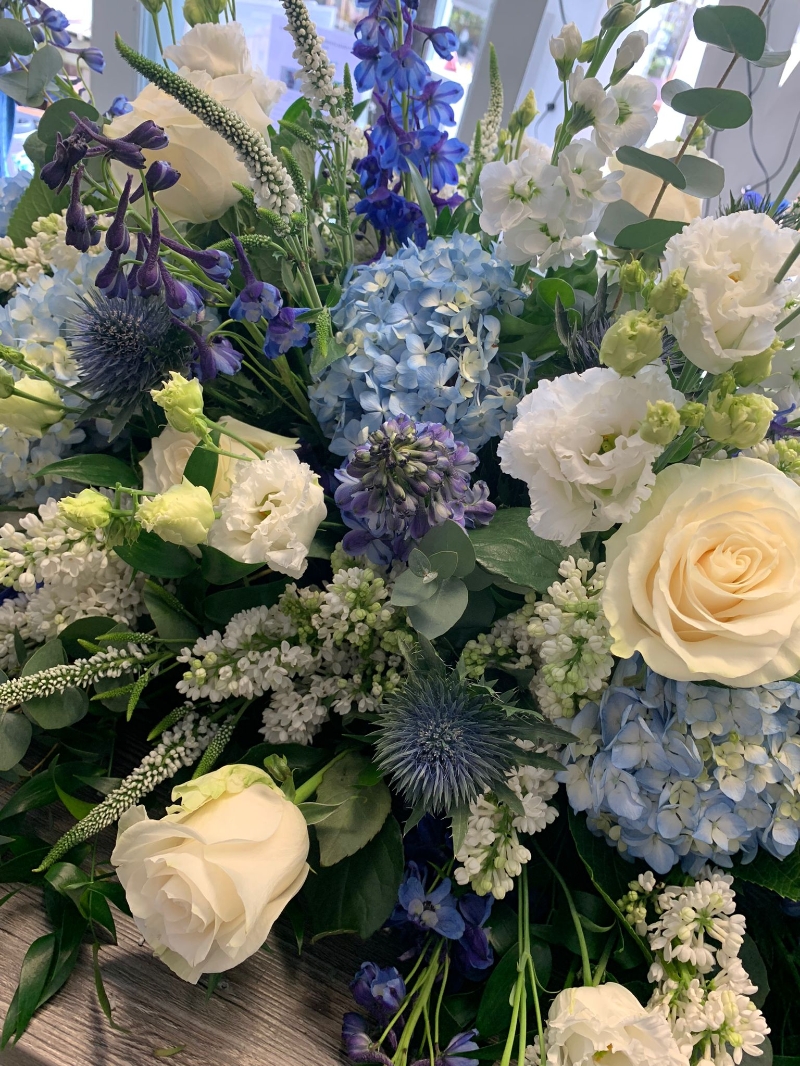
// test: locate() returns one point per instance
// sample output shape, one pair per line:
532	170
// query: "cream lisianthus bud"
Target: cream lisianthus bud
620	15
632	342
89	510
662	423
206	883
7	384
565	48
632	276
668	294
31	417
691	414
181	401
737	421
182	515
754	368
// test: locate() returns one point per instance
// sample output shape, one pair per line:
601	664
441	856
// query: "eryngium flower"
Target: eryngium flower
125	347
408	477
444	741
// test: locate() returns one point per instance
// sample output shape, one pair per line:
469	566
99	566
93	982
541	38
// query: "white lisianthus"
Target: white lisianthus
599	107
640	188
527	187
181	400
181	515
637	117
576	443
586	1026
207	164
206	883
733	304
273	511
164	464
705	580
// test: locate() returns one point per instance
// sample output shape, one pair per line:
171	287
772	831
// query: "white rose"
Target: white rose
733	305
273	511
586	1026
705	580
164	464
640	188
206	883
208	165
575	441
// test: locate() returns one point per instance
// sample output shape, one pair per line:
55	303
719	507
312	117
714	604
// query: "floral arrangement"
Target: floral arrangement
386	484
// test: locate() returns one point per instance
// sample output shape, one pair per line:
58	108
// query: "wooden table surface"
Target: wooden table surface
276	1009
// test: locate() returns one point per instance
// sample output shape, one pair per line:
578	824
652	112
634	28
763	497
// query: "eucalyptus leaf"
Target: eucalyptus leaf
732	28
649	236
15	736
771	57
616	217
704	177
409	589
723	109
671	88
441	612
45	63
450	537
15	38
61	709
652	164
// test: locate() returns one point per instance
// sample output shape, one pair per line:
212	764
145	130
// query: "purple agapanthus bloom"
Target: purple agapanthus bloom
285	332
406	478
435	911
378	991
258	299
357	1044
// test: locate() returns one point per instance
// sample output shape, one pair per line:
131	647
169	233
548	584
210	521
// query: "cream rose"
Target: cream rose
704	580
586	1026
206	883
217	60
164	464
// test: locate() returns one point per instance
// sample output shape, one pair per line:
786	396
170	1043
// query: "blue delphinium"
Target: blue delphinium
421	331
408	477
678	771
378	991
433	910
11	190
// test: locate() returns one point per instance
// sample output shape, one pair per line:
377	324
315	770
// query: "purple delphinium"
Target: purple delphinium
258	299
285	332
406	478
160	176
432	911
212	356
378	991
357	1042
453	1054
87	140
473	954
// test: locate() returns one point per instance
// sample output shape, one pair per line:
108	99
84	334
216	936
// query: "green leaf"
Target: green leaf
94	907
176	1049
219	569
64	781
56	119
155	557
103	470
43	67
551	289
771	57
15	85
723	109
615	218
734	29
494	1013
360	813
649	236
653	164
436	615
756	969
704	177
671	88
32	981
316	812
508	548
38	792
779	875
409	589
171	623
84	629
423	198
358	894
15	38
100	989
222	606
201	469
15	736
62	708
37	200
450	537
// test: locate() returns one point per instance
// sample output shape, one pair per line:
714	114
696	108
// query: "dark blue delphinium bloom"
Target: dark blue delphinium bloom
473	954
216	265
405	479
81	231
443	741
442	159
285	332
442	39
94	59
120	105
364	72
181	297
357	1044
111	280
393	215
118	239
453	1054
53	20
148	276
160	176
212	356
69	151
378	991
125	347
434	105
432	911
258	299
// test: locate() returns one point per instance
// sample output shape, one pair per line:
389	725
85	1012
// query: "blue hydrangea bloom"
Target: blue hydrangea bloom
11	190
673	771
421	333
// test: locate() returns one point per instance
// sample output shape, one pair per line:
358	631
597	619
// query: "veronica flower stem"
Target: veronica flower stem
576	918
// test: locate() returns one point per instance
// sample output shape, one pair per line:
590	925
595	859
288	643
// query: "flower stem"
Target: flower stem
400	1057
308	788
790	258
576	918
600	970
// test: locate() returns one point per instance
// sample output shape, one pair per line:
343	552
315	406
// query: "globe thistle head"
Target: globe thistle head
125	346
444	741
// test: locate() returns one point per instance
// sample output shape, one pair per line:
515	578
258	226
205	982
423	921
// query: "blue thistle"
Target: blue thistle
443	740
125	346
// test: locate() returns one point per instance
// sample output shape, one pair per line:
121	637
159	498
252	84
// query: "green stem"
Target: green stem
600	970
445	973
159	42
789	318
37	399
400	1057
227	432
790	258
308	788
576	919
171	17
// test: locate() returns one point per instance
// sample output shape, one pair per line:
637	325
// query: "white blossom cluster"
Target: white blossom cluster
702	988
491	854
61	574
564	637
316	651
43	253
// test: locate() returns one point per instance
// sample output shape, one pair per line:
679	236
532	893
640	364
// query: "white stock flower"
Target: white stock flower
631	50
524	188
580	166
599	107
566	47
637	117
575	441
733	304
206	882
587	1025
273	511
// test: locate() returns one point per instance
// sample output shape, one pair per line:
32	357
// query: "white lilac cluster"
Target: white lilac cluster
46	252
11	191
60	574
702	988
420	331
564	638
316	651
491	854
683	772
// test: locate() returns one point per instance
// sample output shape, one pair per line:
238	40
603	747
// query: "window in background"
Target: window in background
467	19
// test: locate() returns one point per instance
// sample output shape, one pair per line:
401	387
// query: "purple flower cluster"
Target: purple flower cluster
259	300
87	140
406	478
412	107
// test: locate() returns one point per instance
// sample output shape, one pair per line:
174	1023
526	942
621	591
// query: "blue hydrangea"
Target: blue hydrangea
11	190
674	771
421	331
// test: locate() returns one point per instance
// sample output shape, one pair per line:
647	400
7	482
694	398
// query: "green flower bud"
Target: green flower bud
662	423
620	15
586	53
152	7
632	342
182	403
195	11
192	795
736	420
754	368
182	515
89	510
7	384
632	276
787	452
668	294
691	414
524	115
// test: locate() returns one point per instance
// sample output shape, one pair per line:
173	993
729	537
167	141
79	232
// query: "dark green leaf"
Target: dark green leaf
15	37
45	63
358	894
732	28
27	853
32	980
15	736
219	569
653	164
316	812
64	784
222	606
724	109
84	629
56	119
779	875
494	1013
155	557
507	547
62	709
459	819
100	989
423	197
103	470
442	611
201	469
94	906
36	201
773	58
615	218
671	88
550	289
704	177
171	622
649	236
66	878
360	813
38	792
756	969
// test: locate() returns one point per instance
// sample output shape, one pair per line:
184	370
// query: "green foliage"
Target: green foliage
105	471
650	236
155	557
781	876
201	469
222	606
26	87
508	548
616	217
36	201
15	736
360	811
494	1013
62	708
219	569
653	164
15	38
432	589
722	109
56	119
734	29
171	619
